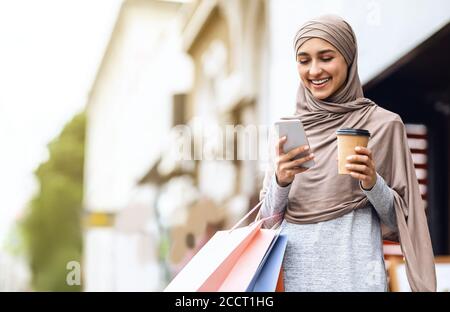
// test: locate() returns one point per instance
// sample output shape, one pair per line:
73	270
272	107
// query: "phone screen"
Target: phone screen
296	136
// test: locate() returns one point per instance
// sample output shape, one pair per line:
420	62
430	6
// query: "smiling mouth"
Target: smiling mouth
319	82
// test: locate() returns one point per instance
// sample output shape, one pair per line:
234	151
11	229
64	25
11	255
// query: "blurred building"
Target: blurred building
129	111
212	63
226	43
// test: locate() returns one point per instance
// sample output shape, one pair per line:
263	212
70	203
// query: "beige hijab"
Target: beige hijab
320	194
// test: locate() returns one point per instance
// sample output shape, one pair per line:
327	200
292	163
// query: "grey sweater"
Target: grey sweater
343	254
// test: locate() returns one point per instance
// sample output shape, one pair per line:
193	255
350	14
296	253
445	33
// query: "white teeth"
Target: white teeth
320	81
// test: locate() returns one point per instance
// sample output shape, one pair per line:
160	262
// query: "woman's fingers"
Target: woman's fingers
362	167
294	152
279	146
360	176
298	162
359	159
286	167
295	170
359	168
363	155
364	151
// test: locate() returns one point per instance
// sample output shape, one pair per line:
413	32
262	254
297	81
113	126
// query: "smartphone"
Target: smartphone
296	136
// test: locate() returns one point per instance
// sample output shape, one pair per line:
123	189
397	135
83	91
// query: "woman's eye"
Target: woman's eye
327	59
303	61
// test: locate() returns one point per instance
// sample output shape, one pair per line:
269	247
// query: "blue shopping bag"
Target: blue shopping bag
266	278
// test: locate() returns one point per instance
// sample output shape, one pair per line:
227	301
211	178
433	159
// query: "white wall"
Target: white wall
385	31
130	108
98	263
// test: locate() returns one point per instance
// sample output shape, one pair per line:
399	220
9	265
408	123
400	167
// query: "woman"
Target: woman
335	223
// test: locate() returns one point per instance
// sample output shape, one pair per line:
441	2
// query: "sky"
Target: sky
50	51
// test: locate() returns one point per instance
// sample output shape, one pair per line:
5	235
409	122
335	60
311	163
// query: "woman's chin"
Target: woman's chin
321	95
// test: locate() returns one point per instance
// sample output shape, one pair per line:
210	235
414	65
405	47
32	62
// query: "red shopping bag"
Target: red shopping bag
280	283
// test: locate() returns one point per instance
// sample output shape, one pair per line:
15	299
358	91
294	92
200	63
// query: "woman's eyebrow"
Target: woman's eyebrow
326	51
320	52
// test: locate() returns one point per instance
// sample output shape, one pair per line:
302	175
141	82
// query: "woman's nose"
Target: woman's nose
315	70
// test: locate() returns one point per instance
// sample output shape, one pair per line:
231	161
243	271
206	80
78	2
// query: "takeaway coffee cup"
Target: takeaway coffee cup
348	139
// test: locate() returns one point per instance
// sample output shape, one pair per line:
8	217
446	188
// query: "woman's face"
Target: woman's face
321	67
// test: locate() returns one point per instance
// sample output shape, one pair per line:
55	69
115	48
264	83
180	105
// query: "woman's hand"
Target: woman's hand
362	167
286	168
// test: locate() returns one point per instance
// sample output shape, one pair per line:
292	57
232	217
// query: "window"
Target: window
179	109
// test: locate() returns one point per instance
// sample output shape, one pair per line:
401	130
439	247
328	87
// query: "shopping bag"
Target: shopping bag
280	283
250	261
269	277
207	269
214	267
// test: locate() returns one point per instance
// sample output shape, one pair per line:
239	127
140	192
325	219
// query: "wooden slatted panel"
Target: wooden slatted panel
418	143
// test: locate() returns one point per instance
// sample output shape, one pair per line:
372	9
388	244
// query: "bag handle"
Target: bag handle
257	216
278	224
